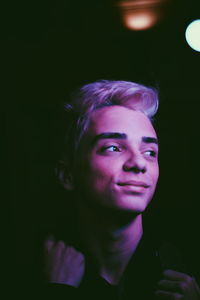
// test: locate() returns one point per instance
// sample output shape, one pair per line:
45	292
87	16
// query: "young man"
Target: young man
110	165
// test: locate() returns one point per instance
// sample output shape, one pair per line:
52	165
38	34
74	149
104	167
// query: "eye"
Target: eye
151	153
112	148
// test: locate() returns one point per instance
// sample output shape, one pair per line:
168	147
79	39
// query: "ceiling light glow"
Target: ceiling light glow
140	20
141	14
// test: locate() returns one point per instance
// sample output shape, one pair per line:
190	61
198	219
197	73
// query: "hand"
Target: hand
63	264
177	286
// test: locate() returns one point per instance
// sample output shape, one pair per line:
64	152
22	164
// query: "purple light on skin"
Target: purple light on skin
117	153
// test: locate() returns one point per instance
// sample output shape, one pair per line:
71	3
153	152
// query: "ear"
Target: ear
64	175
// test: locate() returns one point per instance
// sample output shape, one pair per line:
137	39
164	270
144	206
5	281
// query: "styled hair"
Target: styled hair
96	95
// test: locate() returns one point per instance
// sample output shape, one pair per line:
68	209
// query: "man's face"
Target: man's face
118	166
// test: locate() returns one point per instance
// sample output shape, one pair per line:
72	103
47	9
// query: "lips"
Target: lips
133	183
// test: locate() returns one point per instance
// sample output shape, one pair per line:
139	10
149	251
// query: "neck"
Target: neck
111	238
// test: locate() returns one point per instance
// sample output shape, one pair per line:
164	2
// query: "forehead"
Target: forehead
120	119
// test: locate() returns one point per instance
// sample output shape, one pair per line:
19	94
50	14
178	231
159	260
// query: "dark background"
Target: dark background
53	47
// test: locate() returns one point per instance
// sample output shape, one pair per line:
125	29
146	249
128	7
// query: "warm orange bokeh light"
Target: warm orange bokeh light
139	20
141	14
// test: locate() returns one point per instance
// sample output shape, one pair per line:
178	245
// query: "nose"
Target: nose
135	163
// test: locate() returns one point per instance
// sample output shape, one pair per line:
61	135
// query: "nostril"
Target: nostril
143	170
135	169
135	163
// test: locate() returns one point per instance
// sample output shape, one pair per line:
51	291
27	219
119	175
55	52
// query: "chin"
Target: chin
134	209
133	205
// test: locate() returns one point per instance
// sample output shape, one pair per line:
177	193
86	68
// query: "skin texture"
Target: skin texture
108	162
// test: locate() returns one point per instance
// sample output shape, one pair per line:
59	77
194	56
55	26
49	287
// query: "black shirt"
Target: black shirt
139	280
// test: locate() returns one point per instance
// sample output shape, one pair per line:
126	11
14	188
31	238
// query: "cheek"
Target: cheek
155	173
100	170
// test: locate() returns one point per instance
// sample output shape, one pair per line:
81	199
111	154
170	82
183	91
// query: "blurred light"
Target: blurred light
140	20
192	35
140	14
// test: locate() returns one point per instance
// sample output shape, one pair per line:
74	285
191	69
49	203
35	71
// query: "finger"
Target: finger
168	295
174	275
59	248
49	243
73	254
171	286
54	249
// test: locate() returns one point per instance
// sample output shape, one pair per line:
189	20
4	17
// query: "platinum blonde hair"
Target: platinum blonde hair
96	95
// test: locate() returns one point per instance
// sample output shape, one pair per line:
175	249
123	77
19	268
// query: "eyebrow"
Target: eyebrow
149	140
122	136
